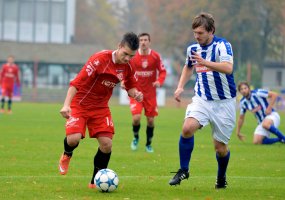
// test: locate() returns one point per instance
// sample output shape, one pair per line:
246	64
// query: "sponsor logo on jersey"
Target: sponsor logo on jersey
108	84
201	68
144	73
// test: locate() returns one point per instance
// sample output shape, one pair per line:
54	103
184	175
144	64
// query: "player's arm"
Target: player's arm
66	110
161	73
134	93
223	67
184	78
272	96
239	125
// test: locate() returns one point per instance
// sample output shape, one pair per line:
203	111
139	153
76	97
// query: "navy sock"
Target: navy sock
149	135
186	146
136	129
2	103
101	161
68	150
276	132
270	140
223	164
9	104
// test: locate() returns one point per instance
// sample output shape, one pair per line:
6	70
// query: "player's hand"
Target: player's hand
156	84
138	96
197	59
65	111
241	137
268	110
177	94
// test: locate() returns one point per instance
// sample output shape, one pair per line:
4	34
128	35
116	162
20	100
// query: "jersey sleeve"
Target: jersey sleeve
86	74
18	76
225	52
262	93
161	69
242	109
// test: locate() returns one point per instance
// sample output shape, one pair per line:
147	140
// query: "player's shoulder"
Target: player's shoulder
220	39
101	56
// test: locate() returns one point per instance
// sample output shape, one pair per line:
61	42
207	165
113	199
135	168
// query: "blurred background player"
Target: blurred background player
151	74
86	103
268	119
215	97
9	74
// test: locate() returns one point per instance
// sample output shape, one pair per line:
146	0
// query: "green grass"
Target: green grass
32	141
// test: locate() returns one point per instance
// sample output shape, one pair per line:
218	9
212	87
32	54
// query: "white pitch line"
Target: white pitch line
192	177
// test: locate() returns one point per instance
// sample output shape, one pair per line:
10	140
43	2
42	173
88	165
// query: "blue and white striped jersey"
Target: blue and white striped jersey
213	85
257	104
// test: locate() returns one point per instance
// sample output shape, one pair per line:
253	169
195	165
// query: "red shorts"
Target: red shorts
7	91
98	121
149	105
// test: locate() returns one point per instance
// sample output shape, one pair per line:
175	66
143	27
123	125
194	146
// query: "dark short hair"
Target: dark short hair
206	20
144	34
243	83
131	39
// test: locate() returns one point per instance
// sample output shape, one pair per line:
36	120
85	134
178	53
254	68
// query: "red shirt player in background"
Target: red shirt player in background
151	74
10	74
86	103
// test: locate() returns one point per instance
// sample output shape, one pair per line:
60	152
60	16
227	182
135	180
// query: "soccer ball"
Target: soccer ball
106	180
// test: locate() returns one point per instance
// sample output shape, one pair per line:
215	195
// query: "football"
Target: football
106	180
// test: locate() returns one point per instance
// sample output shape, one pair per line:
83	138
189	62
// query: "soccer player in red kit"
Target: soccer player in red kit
86	102
151	74
10	74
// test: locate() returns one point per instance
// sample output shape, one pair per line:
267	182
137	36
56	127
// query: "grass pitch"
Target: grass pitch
32	141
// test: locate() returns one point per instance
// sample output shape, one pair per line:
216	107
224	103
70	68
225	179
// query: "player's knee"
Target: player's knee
106	146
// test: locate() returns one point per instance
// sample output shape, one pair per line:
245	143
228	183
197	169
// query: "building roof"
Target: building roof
47	53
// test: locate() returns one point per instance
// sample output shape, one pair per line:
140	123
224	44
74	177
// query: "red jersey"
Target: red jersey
9	74
97	79
149	68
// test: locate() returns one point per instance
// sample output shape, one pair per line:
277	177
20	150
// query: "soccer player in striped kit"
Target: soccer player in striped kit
215	97
268	119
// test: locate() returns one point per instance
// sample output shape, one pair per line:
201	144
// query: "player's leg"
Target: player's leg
70	142
136	109
222	157
149	134
3	99
101	128
10	96
151	110
271	123
195	118
102	157
223	120
75	127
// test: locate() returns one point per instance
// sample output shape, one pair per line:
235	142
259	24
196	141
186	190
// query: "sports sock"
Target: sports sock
222	164
149	135
101	161
186	146
270	140
9	104
276	132
136	129
68	150
2	103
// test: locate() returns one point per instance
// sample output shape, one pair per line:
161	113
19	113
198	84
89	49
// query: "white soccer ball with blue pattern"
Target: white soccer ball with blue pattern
106	180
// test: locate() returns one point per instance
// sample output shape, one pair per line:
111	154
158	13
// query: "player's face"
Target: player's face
202	36
124	54
144	42
10	60
245	91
